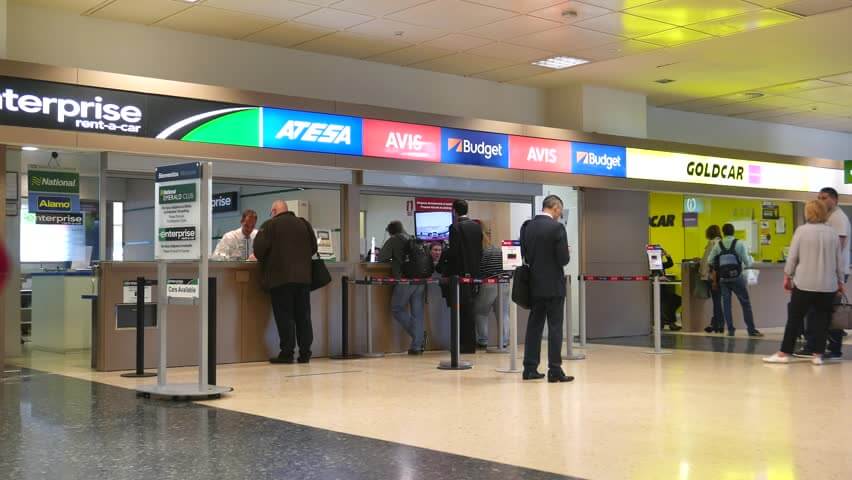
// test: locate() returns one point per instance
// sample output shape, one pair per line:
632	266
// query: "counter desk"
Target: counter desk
61	318
246	330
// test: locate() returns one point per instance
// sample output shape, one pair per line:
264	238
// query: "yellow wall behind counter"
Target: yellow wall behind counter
688	242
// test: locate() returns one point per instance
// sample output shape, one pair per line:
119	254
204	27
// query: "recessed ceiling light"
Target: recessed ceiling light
664	80
753	94
558	63
191	1
29	149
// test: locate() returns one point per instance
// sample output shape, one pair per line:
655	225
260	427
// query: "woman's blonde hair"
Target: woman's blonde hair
816	212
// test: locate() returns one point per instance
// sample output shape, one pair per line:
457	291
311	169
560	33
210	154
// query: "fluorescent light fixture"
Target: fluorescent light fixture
558	63
29	149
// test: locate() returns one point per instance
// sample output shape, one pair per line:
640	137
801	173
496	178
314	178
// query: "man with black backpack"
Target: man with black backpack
729	257
409	259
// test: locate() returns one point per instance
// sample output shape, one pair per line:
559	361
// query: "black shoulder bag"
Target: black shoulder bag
521	280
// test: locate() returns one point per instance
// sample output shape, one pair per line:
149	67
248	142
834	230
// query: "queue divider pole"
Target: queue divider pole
501	323
369	310
658	328
569	327
513	338
140	333
211	331
455	331
344	323
582	311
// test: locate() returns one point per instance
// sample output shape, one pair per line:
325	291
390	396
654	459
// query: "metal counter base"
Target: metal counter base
182	391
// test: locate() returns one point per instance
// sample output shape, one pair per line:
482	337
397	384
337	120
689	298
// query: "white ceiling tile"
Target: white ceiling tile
736	108
674	37
769	3
741	23
624	24
686	12
830	109
462	64
844	78
512	73
451	15
769	114
413	54
376	8
288	34
779	101
321	3
814	7
840	95
618	4
217	22
335	19
76	6
514	27
520	6
137	12
568	39
795	87
458	42
579	12
283	9
401	31
510	52
615	50
345	44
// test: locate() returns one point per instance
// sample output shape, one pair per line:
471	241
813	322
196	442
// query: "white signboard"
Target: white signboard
176	288
325	248
177	212
128	292
655	257
511	254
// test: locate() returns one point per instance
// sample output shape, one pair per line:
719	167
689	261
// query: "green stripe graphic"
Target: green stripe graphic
237	128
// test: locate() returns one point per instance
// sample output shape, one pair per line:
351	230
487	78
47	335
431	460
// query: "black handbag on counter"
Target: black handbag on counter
320	276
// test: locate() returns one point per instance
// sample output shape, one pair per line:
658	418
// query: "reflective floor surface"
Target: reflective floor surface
694	414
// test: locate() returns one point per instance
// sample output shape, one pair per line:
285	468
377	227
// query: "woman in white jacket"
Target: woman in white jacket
814	273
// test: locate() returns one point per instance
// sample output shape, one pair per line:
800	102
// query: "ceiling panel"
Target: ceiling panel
814	7
452	15
336	19
514	27
740	23
217	22
568	39
397	30
737	108
288	34
151	11
346	44
413	54
844	78
321	3
615	50
840	95
458	42
283	9
618	4
579	12
625	25
790	88
376	8
770	114
686	12
77	6
520	6
779	102
512	73
675	36
830	109
462	64
513	53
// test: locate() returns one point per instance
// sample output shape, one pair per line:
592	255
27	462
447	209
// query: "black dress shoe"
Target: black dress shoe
304	359
282	359
558	376
709	329
532	375
415	351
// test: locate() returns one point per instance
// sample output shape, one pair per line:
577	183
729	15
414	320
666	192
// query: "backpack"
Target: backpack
417	262
727	263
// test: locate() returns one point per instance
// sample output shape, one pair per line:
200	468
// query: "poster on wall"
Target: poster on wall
177	212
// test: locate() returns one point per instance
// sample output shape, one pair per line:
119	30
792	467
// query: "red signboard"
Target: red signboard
429	204
404	141
527	153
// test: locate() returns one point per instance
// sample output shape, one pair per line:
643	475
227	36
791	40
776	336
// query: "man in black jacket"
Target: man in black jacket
464	257
544	247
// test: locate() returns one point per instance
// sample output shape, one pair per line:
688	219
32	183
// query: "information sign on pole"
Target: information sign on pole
177	212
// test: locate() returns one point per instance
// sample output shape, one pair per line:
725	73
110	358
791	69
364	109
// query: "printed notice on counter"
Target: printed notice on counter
177	214
511	254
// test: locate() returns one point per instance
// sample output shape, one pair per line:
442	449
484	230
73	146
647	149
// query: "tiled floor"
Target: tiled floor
690	415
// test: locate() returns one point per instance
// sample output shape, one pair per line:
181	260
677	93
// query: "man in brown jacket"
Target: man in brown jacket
284	246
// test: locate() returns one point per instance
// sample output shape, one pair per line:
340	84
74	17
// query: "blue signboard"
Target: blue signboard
51	202
311	132
181	171
467	147
602	160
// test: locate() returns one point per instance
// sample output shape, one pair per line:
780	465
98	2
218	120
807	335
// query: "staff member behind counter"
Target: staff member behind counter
238	244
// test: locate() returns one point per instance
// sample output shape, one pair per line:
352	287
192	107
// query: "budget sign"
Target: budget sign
604	160
474	148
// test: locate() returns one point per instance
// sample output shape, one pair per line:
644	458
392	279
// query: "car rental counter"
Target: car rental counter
246	330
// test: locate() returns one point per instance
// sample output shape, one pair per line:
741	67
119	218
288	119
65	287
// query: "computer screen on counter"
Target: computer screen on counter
432	226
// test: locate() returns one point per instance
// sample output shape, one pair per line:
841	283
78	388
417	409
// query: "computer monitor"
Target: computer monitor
432	226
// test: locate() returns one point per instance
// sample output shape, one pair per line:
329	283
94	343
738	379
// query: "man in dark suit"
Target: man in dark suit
284	246
465	255
544	247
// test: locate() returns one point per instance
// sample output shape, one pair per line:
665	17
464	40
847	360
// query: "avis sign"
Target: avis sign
403	141
177	213
527	153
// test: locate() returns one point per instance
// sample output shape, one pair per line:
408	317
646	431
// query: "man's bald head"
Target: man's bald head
278	207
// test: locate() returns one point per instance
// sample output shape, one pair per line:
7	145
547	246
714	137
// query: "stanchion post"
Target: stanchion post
140	332
344	323
162	312
211	331
513	339
501	323
455	330
582	309
569	326
658	330
369	310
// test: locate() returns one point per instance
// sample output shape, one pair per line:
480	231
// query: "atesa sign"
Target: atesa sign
225	202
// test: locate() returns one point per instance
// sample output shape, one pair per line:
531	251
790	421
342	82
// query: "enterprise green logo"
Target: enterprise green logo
184	193
176	234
